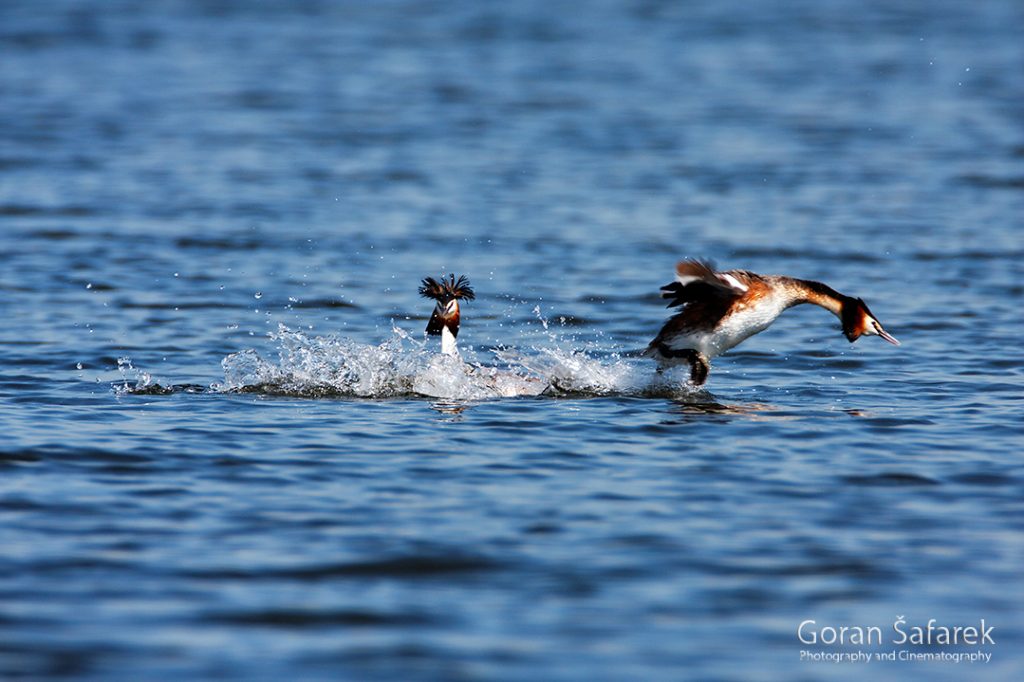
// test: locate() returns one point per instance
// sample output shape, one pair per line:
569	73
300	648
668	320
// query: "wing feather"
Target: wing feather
697	281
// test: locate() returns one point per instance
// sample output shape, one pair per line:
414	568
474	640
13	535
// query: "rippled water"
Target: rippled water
230	453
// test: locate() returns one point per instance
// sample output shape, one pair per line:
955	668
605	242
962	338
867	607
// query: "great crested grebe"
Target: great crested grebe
445	320
722	309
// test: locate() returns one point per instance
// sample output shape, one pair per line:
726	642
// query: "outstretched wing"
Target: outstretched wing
698	281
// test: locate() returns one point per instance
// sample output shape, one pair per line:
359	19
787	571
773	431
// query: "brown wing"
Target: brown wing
697	281
701	314
706	297
695	270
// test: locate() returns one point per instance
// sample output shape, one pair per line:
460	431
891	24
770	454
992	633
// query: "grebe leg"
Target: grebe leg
699	365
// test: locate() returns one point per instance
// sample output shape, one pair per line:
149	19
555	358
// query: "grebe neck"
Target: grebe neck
448	346
808	291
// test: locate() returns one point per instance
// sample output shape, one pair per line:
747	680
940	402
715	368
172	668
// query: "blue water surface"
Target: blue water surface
229	453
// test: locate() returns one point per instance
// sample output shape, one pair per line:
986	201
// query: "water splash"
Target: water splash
324	366
581	373
135	381
310	366
314	366
132	380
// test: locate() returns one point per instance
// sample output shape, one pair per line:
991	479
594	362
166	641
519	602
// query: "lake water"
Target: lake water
229	453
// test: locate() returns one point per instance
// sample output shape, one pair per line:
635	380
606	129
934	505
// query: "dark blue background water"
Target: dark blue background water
180	179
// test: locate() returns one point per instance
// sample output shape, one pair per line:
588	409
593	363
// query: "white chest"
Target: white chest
740	325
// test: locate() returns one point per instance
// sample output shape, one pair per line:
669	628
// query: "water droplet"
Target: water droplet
259	294
89	285
78	366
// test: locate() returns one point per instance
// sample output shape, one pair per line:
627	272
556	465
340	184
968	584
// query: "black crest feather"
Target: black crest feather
447	289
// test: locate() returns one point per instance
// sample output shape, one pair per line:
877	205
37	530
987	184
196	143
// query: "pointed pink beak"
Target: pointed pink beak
888	337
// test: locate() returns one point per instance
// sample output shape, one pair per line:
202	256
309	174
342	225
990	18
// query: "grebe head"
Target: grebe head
858	321
447	293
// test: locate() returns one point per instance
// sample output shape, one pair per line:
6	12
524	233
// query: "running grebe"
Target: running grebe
445	320
722	309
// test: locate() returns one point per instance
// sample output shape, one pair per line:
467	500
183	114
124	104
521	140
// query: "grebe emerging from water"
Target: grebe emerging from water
445	320
468	380
722	309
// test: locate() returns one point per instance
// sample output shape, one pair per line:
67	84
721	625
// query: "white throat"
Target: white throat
448	342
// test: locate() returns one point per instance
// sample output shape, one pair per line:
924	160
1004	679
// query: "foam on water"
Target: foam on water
404	365
331	366
328	365
325	365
